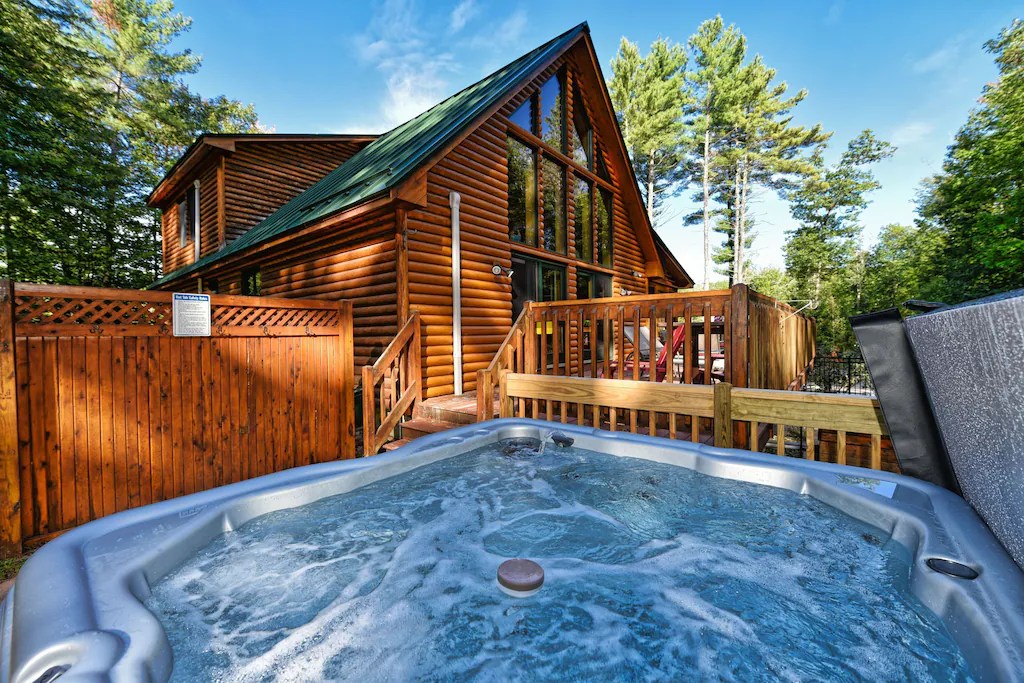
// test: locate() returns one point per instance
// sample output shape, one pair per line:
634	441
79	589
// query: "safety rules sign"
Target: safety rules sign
191	315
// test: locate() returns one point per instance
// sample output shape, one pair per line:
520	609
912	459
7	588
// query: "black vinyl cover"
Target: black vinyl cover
901	394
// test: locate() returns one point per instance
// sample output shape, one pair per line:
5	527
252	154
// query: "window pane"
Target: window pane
554	205
552	283
583	233
584	285
604	227
552	113
522	193
581	133
602	170
523	116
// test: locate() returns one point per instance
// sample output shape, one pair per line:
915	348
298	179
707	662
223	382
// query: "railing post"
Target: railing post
723	415
10	483
484	396
504	402
369	413
740	352
416	361
348	383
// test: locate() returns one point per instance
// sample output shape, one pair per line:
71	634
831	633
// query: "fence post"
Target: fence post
10	483
348	385
740	352
723	415
504	402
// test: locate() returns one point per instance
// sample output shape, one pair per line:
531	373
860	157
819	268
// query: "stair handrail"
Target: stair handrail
400	363
504	359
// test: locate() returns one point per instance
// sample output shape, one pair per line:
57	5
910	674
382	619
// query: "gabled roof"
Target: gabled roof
673	268
210	143
392	157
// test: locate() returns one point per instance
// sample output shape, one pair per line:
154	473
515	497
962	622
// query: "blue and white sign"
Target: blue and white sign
191	314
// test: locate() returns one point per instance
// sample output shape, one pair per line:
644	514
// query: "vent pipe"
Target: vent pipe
453	202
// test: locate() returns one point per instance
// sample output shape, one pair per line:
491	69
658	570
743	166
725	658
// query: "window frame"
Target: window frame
573	170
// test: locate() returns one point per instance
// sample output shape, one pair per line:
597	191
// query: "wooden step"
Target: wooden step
392	445
440	413
421	426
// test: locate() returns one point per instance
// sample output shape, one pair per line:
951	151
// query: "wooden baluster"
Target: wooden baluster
670	363
809	434
754	445
688	344
652	359
876	452
841	447
580	417
564	332
707	343
780	439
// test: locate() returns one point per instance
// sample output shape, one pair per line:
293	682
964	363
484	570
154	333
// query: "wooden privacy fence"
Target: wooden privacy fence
394	383
675	410
102	409
693	337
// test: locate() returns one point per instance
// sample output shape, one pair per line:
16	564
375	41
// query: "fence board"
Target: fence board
102	410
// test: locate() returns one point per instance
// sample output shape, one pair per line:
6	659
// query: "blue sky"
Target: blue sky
910	71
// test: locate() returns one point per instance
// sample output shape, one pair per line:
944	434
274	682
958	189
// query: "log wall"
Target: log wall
478	170
355	260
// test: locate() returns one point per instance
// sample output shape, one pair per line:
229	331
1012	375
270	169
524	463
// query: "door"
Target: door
537	280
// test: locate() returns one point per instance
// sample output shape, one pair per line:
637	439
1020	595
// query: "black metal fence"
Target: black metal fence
839	373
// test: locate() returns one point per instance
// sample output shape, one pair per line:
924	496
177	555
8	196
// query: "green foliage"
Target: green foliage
93	112
822	253
773	282
901	266
977	202
649	98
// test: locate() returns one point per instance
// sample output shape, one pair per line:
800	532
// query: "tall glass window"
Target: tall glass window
552	113
583	232
604	227
553	177
523	115
582	136
522	193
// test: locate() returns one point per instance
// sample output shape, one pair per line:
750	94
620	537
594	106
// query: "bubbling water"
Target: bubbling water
653	572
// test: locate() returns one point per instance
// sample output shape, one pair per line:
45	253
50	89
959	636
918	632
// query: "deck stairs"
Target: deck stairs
437	414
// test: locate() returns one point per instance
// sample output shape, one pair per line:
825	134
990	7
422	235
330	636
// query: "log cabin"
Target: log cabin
517	188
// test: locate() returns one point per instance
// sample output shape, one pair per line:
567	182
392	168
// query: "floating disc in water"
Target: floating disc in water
520	578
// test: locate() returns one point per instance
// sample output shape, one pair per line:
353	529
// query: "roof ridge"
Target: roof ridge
391	157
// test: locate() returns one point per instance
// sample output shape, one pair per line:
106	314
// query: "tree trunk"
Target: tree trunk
736	237
707	213
650	188
741	239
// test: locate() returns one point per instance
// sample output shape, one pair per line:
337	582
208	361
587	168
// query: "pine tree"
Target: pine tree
649	98
717	52
53	155
151	118
821	251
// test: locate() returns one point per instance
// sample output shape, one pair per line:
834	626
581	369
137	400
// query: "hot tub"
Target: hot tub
662	560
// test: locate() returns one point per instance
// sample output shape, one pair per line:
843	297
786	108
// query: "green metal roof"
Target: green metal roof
391	158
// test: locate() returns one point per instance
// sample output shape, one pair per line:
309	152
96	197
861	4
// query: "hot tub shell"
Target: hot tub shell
77	603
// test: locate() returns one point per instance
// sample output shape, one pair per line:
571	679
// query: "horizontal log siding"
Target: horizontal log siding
478	170
262	176
176	256
355	260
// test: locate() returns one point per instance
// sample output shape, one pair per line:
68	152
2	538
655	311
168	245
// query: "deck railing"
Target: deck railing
392	386
692	337
683	411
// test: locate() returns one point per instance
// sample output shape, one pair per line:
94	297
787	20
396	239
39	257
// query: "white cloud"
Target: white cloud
501	34
943	57
461	15
835	12
910	133
396	43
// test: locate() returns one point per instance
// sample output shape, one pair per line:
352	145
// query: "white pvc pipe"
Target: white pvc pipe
453	201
